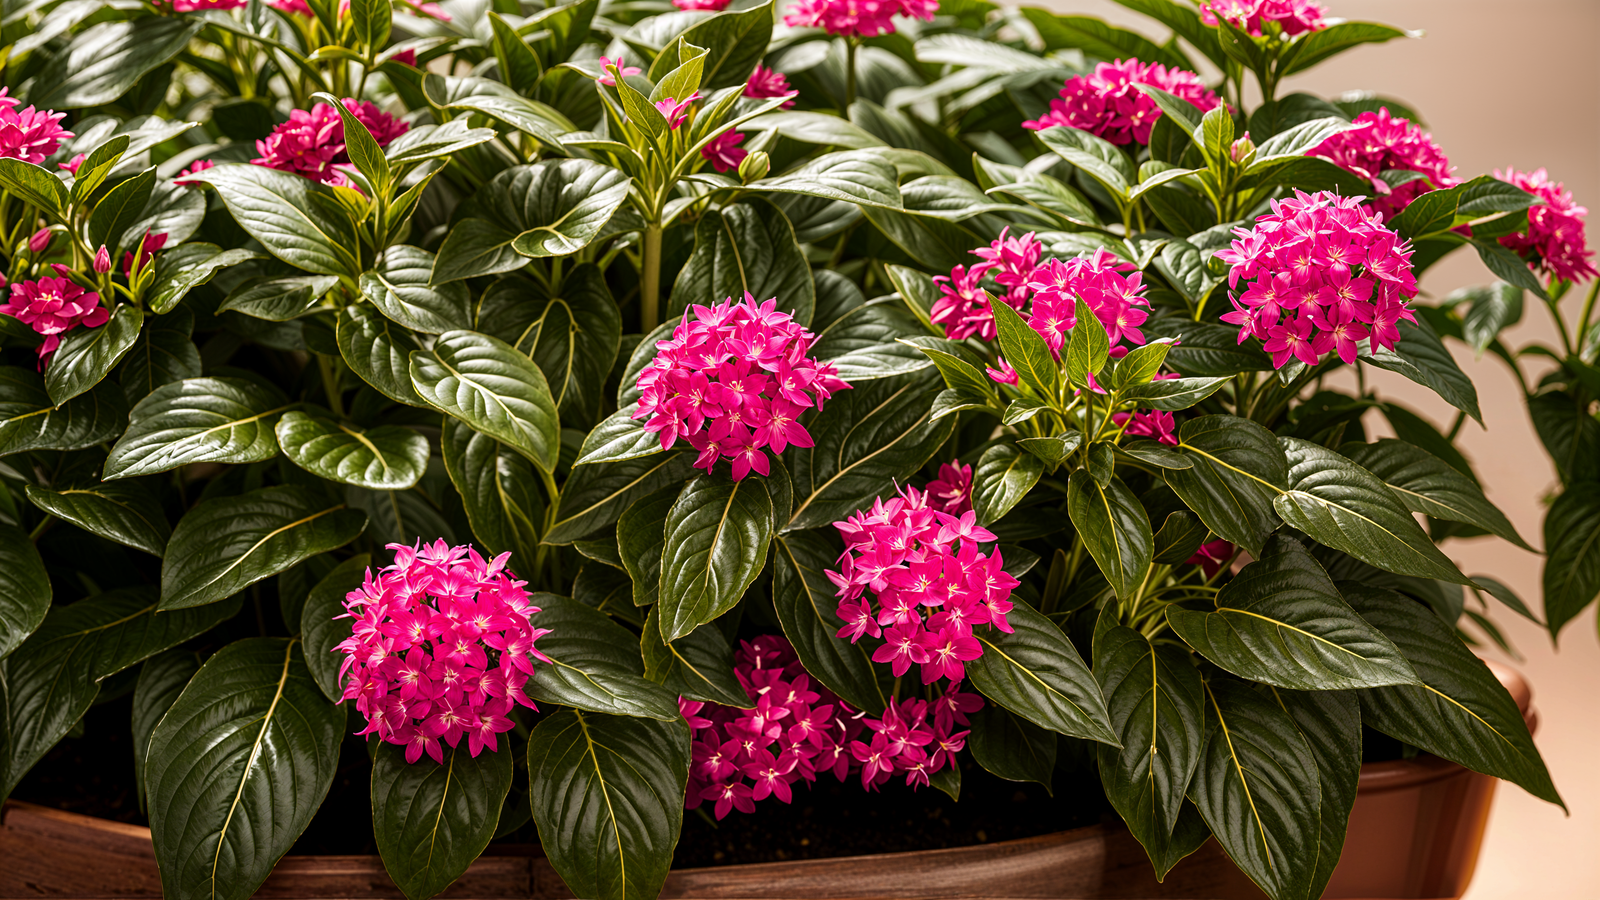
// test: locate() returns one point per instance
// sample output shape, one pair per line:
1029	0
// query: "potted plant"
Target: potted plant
554	420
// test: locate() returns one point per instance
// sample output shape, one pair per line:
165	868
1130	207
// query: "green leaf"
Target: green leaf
1438	211
1317	46
1114	527
1154	697
1207	349
715	544
29	421
1238	470
607	795
807	608
747	247
379	352
1423	358
619	436
184	268
572	336
1282	622
197	420
1004	476
1215	136
323	626
161	679
518	65
1012	747
554	207
1492	309
816	128
500	102
1344	506
1572	542
102	62
295	218
595	496
120	511
486	383
698	665
24	588
1179	537
1035	672
119	209
641	536
1258	789
34	184
1095	157
225	544
1427	484
1026	350
735	42
431	820
1053	450
398	286
87	355
1087	348
1173	394
162	354
385	458
594	665
1100	40
866	440
52	679
1330	722
498	488
862	177
238	767
279	299
1569	432
372	20
1460	711
556	33
476	247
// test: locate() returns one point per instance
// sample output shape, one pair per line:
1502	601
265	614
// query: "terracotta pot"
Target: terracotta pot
1414	833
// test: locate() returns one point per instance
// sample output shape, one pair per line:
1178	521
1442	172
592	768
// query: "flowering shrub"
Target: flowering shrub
879	398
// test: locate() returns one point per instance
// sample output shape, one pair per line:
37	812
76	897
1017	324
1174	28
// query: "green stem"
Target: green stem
849	74
650	280
1587	312
1561	325
552	508
330	385
41	528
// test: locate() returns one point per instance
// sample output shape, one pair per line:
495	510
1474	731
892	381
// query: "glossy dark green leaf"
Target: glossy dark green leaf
1035	672
295	218
1094	156
1025	350
1174	393
1207	349
1423	358
1179	536
238	767
607	795
1427	484
573	335
1330	722
1238	470
1087	348
733	43
1012	747
715	544
400	517
29	421
866	440
1568	430
227	420
595	496
476	247
1154	697
595	664
698	665
1004	475
619	436
862	177
431	820
869	342
161	679
35	184
1258	789
1114	528
1100	40
24	588
1344	506
1491	309
184	268
807	607
746	247
1335	39
1460	711
225	544
1572	542
398	286
103	61
379	352
120	511
486	383
498	488
385	458
87	355
162	354
52	679
641	536
322	625
1281	621
554	207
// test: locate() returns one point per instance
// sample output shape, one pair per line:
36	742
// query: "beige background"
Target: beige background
1499	84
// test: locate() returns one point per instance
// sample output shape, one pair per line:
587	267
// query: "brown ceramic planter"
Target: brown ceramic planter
1414	833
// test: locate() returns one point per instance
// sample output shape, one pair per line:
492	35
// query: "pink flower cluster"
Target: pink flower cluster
28	134
1253	16
732	381
951	492
724	151
1384	142
1105	102
311	143
185	6
914	557
962	310
765	83
54	306
706	5
439	649
859	18
1555	241
1153	424
797	730
1322	274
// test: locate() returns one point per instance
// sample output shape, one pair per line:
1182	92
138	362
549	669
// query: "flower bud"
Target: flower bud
1243	151
102	260
40	240
754	167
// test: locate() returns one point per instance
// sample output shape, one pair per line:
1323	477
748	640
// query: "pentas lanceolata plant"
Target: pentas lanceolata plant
585	292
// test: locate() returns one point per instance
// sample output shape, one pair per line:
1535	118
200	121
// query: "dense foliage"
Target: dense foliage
822	392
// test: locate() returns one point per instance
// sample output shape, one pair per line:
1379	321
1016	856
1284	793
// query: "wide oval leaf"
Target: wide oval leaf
698	666
431	820
594	664
1572	540
161	679
1427	484
552	208
323	626
607	794
237	768
595	496
486	383
499	490
120	511
807	608
24	588
619	436
385	458
298	220
572	334
398	286
641	537
102	62
1238	470
715	544
1348	508
1036	673
225	544
745	248
164	353
1012	747
1115	528
379	352
29	421
87	355
227	420
1281	621
862	177
54	677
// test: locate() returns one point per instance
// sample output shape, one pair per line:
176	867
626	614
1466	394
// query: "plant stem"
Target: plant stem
39	529
330	385
650	280
1588	310
849	75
